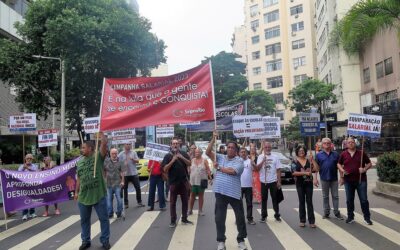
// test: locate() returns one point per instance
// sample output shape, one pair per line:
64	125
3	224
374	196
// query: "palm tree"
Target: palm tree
365	19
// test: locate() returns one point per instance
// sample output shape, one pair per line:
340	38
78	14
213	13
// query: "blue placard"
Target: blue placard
309	128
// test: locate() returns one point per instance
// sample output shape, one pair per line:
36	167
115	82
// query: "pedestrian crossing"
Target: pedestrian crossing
185	236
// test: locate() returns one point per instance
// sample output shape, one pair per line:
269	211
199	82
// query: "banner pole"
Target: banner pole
95	155
23	147
81	137
148	179
362	157
4	203
215	117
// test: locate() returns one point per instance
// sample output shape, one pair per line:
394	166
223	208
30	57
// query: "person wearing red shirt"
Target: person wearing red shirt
155	181
353	176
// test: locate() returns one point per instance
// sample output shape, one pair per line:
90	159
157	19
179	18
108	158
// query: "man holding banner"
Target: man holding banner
91	192
353	165
31	167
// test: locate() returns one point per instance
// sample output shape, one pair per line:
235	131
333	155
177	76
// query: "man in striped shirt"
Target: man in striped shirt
227	189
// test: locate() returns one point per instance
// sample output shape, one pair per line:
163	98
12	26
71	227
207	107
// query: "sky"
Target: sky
192	29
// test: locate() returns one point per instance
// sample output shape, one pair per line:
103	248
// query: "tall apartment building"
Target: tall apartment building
280	44
334	66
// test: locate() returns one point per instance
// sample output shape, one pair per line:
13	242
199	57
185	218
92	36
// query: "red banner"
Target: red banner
146	101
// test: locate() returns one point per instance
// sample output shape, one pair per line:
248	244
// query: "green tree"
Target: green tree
95	38
291	132
228	76
363	21
259	102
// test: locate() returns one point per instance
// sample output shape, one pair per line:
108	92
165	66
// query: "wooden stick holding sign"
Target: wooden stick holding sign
95	154
362	157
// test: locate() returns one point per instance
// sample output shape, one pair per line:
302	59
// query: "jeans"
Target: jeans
221	207
305	193
334	188
85	212
30	211
182	190
156	181
361	188
134	179
166	188
117	191
247	192
272	187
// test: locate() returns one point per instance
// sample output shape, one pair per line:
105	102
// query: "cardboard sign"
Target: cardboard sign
165	131
272	128
47	138
123	136
364	125
25	122
91	125
247	125
309	124
155	151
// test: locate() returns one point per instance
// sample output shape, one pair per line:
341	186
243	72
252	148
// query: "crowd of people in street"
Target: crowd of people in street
237	173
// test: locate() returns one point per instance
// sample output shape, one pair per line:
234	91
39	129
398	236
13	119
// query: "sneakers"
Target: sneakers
339	217
32	215
326	216
85	245
251	222
140	204
172	224
45	214
242	245
25	217
187	222
221	246
201	213
58	212
349	220
263	220
278	219
150	209
190	212
368	222
106	246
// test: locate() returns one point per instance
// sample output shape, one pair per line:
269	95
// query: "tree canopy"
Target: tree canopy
363	21
259	102
95	38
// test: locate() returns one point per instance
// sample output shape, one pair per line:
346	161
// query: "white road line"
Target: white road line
378	228
75	242
231	231
134	234
285	234
387	213
49	232
3	222
183	237
337	233
21	227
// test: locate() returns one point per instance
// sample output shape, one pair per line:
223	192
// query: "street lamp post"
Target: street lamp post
62	129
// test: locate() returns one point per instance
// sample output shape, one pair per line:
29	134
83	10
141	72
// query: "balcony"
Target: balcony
8	17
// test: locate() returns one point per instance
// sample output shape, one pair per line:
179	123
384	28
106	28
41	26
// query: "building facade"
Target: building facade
280	41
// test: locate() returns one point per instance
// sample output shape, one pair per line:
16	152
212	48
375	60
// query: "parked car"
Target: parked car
286	172
141	167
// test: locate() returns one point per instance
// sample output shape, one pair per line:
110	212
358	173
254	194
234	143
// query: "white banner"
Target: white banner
272	128
91	125
155	151
123	136
165	131
247	125
25	122
47	138
309	117
364	125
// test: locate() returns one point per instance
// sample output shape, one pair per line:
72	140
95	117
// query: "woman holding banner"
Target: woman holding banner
28	166
48	165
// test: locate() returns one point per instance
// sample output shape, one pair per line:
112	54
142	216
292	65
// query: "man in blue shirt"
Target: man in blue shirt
227	189
327	160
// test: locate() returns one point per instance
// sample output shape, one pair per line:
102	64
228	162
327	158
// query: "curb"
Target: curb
388	196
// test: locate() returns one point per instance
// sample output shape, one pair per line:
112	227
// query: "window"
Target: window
274	82
257	71
271	16
254	24
322	38
272	49
257	86
278	98
298	44
300	78
254	10
255	39
280	114
298	26
255	55
388	66
379	70
272	32
387	96
323	61
366	75
299	61
274	65
270	2
296	10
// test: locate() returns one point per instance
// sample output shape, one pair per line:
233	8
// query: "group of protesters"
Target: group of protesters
188	174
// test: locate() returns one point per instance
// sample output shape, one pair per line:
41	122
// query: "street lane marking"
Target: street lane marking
338	234
75	242
378	228
21	227
387	213
46	234
183	237
285	234
133	235
231	231
3	222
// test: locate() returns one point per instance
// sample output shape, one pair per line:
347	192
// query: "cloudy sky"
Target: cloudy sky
193	29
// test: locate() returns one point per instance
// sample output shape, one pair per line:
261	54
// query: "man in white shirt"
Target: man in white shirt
246	180
270	178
